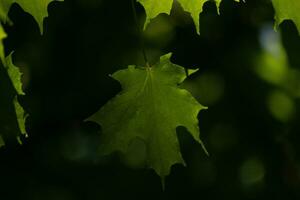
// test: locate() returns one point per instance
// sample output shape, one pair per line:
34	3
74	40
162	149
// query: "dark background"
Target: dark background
248	77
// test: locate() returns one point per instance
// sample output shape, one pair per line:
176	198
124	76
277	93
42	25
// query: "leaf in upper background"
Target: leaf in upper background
37	8
150	108
287	10
155	7
195	8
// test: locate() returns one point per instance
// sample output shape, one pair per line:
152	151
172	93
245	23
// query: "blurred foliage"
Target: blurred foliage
248	77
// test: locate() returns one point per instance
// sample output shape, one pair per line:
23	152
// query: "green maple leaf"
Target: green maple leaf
287	10
150	108
37	8
155	7
16	80
194	7
17	111
14	75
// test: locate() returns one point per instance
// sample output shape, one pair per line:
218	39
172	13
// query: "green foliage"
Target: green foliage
37	8
156	7
195	8
15	78
287	10
2	37
14	75
151	105
2	59
150	108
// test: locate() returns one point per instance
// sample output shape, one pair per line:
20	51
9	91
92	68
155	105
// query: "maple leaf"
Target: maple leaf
155	7
150	108
37	8
12	115
287	10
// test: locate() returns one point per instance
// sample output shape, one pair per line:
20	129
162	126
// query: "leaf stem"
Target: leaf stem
140	31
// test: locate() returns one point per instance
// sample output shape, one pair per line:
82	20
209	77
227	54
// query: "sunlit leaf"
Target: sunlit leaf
12	114
287	10
37	8
155	7
150	108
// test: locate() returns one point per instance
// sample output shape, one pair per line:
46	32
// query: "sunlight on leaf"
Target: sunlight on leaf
15	77
155	7
287	10
37	8
150	108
